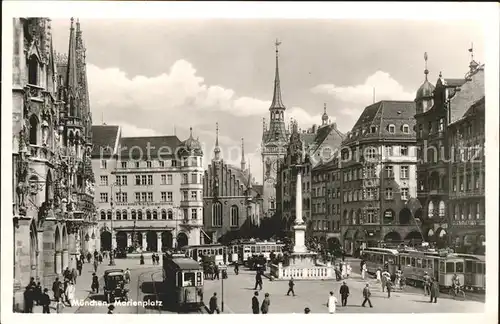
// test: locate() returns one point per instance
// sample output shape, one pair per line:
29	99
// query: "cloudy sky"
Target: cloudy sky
150	76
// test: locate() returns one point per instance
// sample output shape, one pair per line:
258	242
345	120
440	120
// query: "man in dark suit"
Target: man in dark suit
344	293
213	304
255	303
366	294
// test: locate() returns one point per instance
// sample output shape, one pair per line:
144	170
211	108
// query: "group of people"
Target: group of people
155	258
343	270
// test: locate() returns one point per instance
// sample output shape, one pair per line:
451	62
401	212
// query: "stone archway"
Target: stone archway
404	216
414	237
152	241
182	240
392	237
121	240
166	240
106	241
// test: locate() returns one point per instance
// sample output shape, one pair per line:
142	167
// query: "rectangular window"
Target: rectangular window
144	196
104	197
194	213
104	180
169	179
144	180
137	180
404	150
194	195
370	172
124	197
137	165
163	196
194	178
454	184
149	164
388	193
185	178
389	171
150	196
104	164
388	151
118	197
194	161
138	196
161	164
405	172
404	194
150	179
441	125
185	195
124	164
170	196
370	217
174	163
163	179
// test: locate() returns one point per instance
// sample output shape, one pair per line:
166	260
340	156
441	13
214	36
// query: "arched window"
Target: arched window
442	209
234	216
352	218
33	130
391	128
148	214
118	215
139	214
155	214
33	70
110	214
103	215
134	215
163	214
217	214
170	215
124	214
406	129
430	210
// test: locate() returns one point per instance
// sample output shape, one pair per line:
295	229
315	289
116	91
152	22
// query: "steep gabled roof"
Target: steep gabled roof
104	137
470	92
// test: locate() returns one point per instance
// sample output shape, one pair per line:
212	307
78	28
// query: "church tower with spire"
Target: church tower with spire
274	142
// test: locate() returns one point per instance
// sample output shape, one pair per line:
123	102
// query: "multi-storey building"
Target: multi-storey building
273	147
325	197
450	126
232	203
379	176
52	179
149	190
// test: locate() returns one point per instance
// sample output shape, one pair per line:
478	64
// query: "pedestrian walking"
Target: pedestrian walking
100	258
291	284
344	270
45	301
379	275
89	257
95	284
59	305
111	309
96	265
38	293
255	303
216	272
264	308
386	276
67	273
307	310
427	284
236	268
214	308
79	266
258	281
349	270
363	271
56	289
74	275
70	293
332	303
389	288
29	299
344	293
141	259
153	257
366	295
434	290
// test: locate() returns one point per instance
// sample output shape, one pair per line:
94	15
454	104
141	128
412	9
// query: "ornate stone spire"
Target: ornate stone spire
324	118
217	148
249	183
426	72
277	103
243	162
71	73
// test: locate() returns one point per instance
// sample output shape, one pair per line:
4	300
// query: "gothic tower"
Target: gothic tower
274	143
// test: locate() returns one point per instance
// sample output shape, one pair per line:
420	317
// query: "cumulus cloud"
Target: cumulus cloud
356	97
181	87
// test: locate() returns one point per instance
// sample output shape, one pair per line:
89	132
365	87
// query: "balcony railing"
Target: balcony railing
468	222
41	152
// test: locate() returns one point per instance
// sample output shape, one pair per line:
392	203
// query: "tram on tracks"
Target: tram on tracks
196	252
183	281
442	265
243	252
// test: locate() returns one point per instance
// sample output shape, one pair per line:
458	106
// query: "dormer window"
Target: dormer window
406	129
392	129
373	129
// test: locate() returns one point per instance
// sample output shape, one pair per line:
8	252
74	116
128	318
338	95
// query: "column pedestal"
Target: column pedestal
64	259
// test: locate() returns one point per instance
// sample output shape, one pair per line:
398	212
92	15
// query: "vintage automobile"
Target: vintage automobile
115	285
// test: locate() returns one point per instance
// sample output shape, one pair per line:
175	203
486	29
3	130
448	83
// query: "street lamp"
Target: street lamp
111	254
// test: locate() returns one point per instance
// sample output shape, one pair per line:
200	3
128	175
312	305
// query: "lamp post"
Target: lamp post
111	253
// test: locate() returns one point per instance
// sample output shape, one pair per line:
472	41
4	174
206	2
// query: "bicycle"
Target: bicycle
457	292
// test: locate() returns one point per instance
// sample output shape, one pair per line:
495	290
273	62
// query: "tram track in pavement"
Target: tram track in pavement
140	281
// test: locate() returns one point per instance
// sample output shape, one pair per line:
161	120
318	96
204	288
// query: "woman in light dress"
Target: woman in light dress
379	279
344	270
70	293
349	270
331	303
363	271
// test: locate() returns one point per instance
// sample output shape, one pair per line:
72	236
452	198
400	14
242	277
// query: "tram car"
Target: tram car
197	252
247	250
183	281
475	272
377	257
